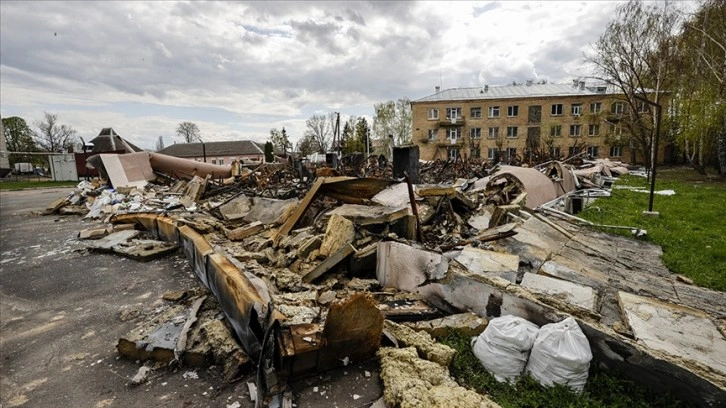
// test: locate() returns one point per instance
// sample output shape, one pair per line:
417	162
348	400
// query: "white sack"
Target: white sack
560	355
503	347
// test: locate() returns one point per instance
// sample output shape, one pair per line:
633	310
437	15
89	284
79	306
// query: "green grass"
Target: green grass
18	185
691	227
603	389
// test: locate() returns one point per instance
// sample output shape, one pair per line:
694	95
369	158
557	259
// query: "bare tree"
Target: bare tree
189	132
635	55
52	136
160	143
320	131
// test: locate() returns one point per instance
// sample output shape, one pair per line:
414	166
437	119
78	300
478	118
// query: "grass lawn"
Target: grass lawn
17	185
691	227
603	389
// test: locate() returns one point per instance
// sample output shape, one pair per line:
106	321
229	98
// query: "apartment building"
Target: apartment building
516	122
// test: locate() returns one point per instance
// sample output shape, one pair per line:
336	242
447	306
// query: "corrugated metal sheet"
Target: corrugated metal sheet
512	91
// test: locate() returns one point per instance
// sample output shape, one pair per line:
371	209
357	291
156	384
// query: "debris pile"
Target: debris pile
310	271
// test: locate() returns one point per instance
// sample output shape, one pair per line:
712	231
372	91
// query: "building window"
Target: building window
617	108
492	153
642	107
511	152
557	109
494	111
214	161
453	153
576	109
595	107
573	150
433	133
220	161
616	130
593	130
475	113
475	133
616	151
512	111
433	114
493	133
476	152
593	151
511	131
454	133
453	113
555	151
556	130
575	130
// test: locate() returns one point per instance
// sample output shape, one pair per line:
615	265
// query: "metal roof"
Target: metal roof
230	148
515	91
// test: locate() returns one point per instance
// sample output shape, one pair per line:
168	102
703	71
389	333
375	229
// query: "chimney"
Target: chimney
582	85
530	82
437	89
486	88
575	82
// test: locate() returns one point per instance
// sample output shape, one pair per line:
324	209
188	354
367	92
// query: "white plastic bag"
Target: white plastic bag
561	355
503	347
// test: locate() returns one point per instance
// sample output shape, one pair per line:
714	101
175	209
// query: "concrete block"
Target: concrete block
572	293
340	232
676	330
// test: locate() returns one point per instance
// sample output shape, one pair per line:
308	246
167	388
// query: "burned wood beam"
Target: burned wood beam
329	263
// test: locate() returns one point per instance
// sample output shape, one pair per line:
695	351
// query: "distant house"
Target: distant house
218	152
109	141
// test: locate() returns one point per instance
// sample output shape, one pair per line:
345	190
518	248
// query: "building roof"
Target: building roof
110	141
516	91
233	148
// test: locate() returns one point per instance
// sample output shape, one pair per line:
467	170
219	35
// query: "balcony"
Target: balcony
459	121
450	142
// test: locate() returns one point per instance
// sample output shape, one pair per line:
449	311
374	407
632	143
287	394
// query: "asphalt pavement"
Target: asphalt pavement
63	309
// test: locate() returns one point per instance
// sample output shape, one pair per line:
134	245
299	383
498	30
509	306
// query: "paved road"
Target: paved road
60	311
60	319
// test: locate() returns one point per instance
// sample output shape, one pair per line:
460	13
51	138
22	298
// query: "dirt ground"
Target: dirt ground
62	311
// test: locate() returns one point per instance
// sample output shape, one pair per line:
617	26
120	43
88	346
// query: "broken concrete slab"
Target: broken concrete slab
340	232
107	243
539	188
270	211
404	267
408	310
236	208
466	324
145	250
366	214
480	261
572	293
679	331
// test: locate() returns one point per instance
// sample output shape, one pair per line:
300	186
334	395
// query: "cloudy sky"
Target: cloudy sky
238	69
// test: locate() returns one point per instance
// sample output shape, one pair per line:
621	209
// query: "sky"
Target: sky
239	69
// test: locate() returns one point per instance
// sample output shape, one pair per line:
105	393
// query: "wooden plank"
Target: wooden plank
243	232
329	263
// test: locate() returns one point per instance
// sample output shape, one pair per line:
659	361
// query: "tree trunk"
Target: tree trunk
721	152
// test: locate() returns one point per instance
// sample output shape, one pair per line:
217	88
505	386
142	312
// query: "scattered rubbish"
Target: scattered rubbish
310	267
141	376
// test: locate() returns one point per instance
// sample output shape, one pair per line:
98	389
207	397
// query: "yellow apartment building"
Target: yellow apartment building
516	122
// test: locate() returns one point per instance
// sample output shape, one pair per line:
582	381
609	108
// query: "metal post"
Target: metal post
654	159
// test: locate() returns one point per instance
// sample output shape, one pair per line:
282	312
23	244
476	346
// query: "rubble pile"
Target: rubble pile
310	271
